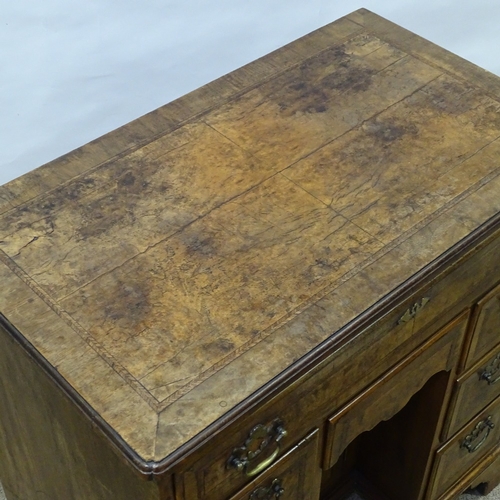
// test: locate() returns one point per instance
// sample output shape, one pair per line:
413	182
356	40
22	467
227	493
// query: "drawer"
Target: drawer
489	478
464	450
245	451
485	332
475	389
295	476
388	395
483	477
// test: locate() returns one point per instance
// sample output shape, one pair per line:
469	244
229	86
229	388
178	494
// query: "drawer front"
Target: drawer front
216	478
474	390
485	327
484	476
467	448
295	476
489	478
390	393
235	457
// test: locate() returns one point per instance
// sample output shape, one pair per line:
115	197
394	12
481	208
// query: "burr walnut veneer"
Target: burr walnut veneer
282	285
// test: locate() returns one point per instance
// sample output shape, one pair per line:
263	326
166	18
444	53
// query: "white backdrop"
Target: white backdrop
72	70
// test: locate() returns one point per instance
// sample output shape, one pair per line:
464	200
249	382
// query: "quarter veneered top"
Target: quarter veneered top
154	265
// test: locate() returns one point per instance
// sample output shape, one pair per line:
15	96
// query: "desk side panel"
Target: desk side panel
48	449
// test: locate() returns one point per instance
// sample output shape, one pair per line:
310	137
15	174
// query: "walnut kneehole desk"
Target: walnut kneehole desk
282	285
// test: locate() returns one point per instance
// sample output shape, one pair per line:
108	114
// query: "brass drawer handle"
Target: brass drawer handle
491	370
484	427
412	311
258	440
262	493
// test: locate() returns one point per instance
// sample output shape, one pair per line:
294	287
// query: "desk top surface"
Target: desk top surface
176	265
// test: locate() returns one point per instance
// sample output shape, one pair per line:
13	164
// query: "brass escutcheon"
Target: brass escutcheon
412	311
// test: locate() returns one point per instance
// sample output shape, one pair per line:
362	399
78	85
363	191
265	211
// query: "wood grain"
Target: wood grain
306	107
257	244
